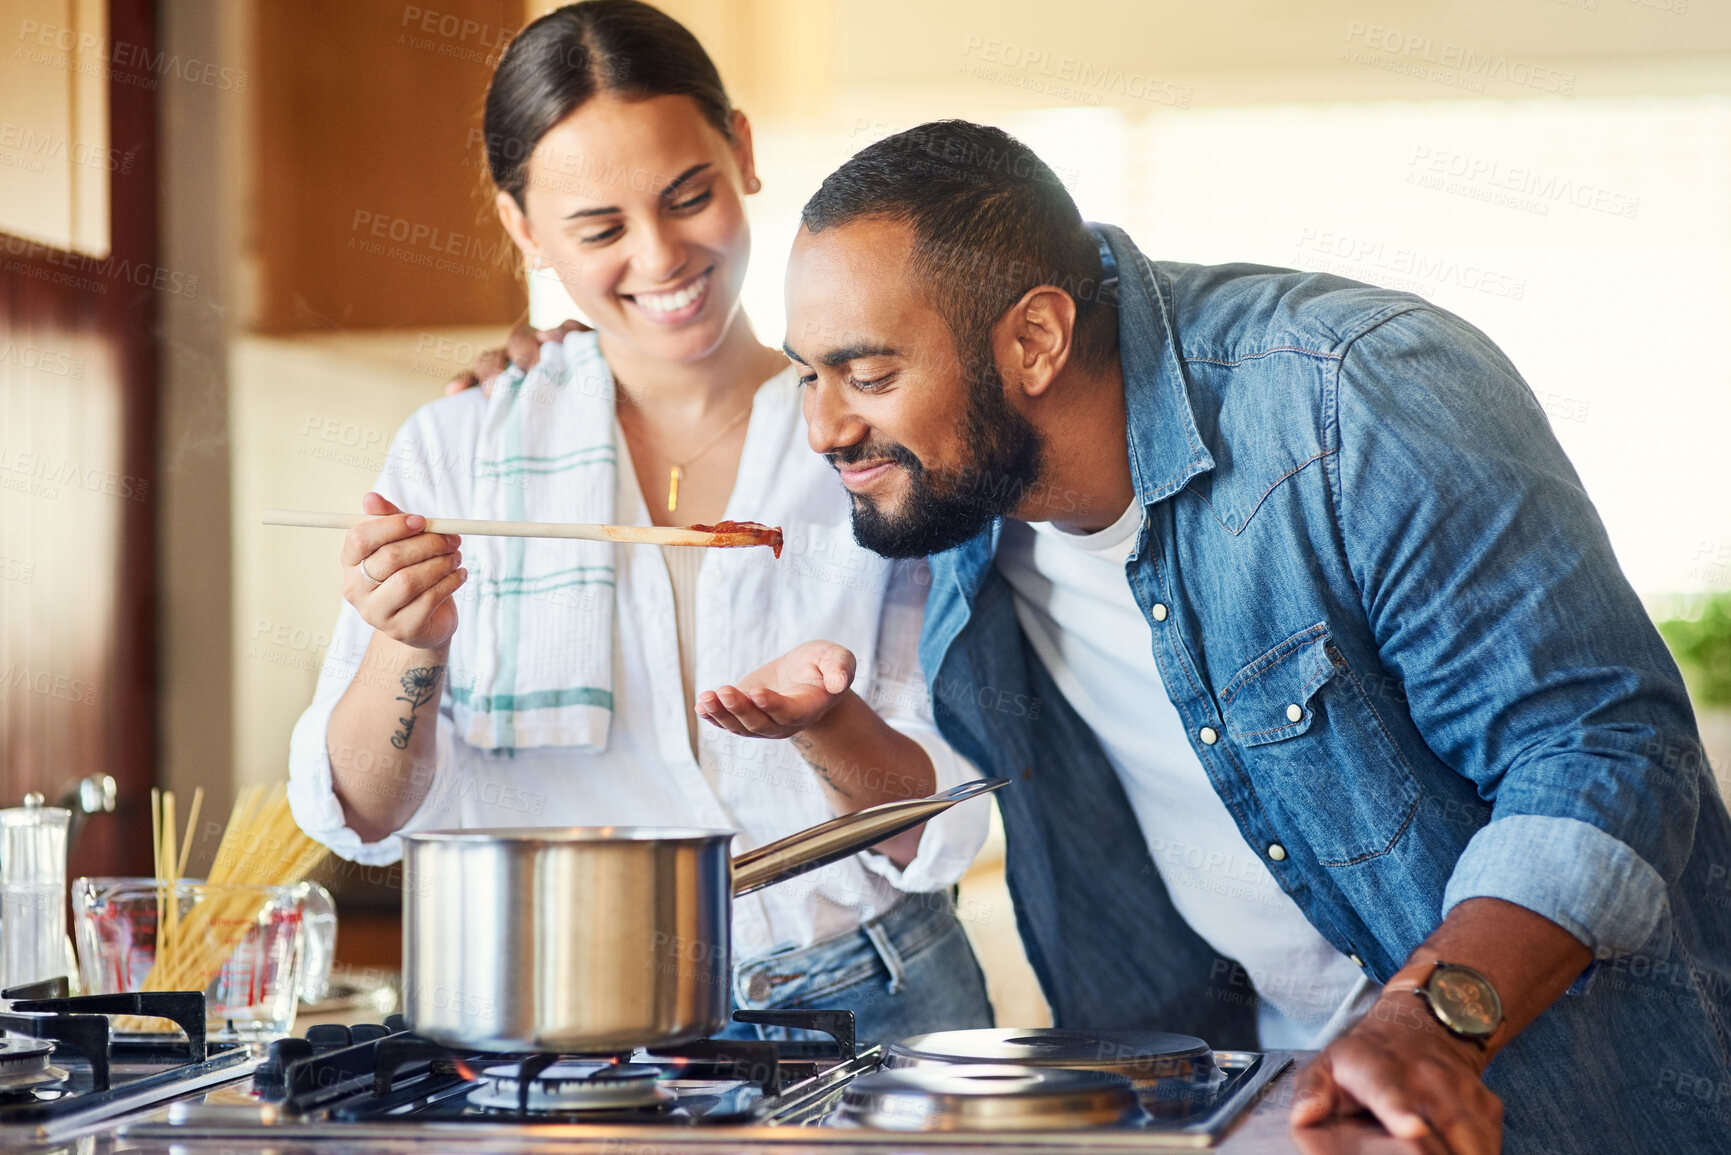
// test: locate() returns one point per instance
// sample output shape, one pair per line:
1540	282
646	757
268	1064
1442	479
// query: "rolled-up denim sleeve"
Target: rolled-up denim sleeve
1527	660
1592	884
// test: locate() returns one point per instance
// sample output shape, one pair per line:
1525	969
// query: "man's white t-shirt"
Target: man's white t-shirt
1073	601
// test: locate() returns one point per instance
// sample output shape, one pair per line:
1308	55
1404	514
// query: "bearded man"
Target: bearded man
1333	720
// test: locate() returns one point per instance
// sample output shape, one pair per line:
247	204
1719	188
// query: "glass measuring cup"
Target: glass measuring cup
255	951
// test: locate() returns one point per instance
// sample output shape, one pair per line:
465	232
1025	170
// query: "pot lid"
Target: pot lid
1144	1056
988	1097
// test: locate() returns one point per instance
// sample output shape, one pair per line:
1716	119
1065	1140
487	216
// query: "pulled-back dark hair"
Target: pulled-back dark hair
569	55
990	221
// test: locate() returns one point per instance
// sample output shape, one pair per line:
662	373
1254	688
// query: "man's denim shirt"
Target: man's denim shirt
1391	621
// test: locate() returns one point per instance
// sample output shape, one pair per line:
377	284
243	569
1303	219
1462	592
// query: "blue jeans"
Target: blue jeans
909	971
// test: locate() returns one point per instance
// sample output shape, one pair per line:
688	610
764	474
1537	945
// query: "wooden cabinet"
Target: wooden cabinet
371	205
55	153
79	295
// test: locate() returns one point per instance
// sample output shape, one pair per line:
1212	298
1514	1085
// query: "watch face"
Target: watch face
1464	1001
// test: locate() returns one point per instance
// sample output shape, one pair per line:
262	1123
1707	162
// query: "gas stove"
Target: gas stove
66	1074
381	1086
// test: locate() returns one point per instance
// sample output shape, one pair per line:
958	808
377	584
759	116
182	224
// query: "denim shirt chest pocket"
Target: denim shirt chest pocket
1306	731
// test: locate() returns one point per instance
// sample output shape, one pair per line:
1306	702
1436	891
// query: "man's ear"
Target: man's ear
1035	338
516	224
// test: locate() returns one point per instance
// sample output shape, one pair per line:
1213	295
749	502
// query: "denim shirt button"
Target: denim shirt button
759	988
1356	961
1158	611
1295	713
1208	736
1276	852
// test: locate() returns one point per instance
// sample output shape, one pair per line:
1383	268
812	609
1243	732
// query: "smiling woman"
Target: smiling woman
461	674
572	201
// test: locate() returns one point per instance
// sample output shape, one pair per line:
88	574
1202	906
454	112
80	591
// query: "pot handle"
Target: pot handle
849	834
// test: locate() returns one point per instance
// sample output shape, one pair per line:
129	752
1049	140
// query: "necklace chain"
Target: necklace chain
677	473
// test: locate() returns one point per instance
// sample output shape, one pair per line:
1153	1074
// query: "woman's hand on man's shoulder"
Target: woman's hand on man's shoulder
522	348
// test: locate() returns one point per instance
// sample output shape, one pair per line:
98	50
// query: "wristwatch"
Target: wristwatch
1463	1001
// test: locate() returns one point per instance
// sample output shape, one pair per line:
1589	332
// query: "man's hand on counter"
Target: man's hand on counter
1403	1066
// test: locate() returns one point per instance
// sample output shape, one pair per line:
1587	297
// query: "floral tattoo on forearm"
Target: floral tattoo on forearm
420	685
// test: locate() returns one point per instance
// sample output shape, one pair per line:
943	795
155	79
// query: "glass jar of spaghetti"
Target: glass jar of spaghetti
253	950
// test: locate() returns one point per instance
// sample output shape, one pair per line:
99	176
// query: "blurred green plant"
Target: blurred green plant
1701	643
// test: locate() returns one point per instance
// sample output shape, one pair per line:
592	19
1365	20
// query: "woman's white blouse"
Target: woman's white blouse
750	609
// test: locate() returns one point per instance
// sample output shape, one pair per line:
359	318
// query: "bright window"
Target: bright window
1591	239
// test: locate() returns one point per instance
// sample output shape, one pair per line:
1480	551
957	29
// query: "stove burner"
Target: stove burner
15	1049
988	1097
570	1085
24	1064
1146	1057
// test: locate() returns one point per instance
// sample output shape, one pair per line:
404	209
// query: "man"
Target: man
1332	717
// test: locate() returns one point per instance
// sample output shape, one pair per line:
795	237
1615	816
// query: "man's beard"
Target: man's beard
943	510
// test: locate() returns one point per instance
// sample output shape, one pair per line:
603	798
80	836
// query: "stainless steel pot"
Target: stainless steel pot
597	939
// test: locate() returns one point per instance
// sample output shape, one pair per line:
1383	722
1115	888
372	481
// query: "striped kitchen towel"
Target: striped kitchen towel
532	659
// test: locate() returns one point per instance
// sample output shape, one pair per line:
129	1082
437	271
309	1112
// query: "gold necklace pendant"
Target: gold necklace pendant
677	473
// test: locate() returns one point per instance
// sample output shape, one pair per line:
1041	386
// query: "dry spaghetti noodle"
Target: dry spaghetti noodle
261	847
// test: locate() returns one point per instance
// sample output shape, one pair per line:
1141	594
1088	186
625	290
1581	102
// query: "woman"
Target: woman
508	682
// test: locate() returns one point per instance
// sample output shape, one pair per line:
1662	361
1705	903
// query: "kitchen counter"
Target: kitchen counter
1264	1130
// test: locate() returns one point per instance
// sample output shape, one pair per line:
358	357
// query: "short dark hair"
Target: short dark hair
569	55
990	220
